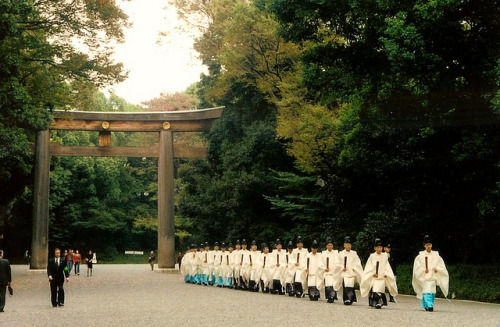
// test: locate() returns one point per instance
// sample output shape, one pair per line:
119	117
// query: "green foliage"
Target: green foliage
53	55
414	89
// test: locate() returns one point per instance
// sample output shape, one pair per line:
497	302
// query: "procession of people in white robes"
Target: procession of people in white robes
298	272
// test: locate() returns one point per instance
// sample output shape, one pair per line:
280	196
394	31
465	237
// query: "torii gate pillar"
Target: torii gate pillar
166	227
40	228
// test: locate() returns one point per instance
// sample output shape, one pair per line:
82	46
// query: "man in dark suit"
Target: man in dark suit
57	272
5	279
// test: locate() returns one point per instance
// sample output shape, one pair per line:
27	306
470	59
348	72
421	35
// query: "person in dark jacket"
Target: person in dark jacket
5	279
57	271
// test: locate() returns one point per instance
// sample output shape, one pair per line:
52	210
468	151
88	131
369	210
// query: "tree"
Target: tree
413	87
172	102
53	55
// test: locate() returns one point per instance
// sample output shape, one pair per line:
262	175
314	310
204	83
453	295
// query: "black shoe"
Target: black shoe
347	302
378	306
1	310
61	304
330	300
54	305
430	309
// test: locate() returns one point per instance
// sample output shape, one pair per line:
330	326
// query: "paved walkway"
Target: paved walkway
132	295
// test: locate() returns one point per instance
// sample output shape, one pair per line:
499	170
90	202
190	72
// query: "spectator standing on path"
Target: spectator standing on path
27	257
5	279
179	260
90	263
151	259
77	258
69	260
57	271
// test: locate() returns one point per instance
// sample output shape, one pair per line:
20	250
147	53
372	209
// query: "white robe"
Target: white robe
278	257
226	267
218	263
385	276
315	271
184	264
214	269
206	267
290	267
300	271
353	269
330	261
426	283
235	263
200	264
244	262
254	257
265	269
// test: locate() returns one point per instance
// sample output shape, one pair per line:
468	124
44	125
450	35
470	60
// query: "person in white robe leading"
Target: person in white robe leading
377	276
429	271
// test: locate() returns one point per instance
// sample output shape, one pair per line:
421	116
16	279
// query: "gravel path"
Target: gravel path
132	295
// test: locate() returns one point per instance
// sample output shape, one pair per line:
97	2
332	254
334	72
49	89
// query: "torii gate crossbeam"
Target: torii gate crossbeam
164	123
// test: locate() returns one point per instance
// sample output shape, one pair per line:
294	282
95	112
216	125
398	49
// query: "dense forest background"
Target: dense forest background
362	118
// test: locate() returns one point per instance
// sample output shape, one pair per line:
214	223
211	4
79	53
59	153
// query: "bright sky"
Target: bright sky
168	66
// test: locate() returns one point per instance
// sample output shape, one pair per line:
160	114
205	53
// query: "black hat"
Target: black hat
314	244
216	244
290	245
231	245
263	245
278	241
387	245
347	239
193	246
377	242
299	239
254	242
329	240
244	242
202	245
427	239
223	245
206	244
238	242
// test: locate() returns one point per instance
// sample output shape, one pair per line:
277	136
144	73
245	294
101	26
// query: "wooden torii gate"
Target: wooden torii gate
163	123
